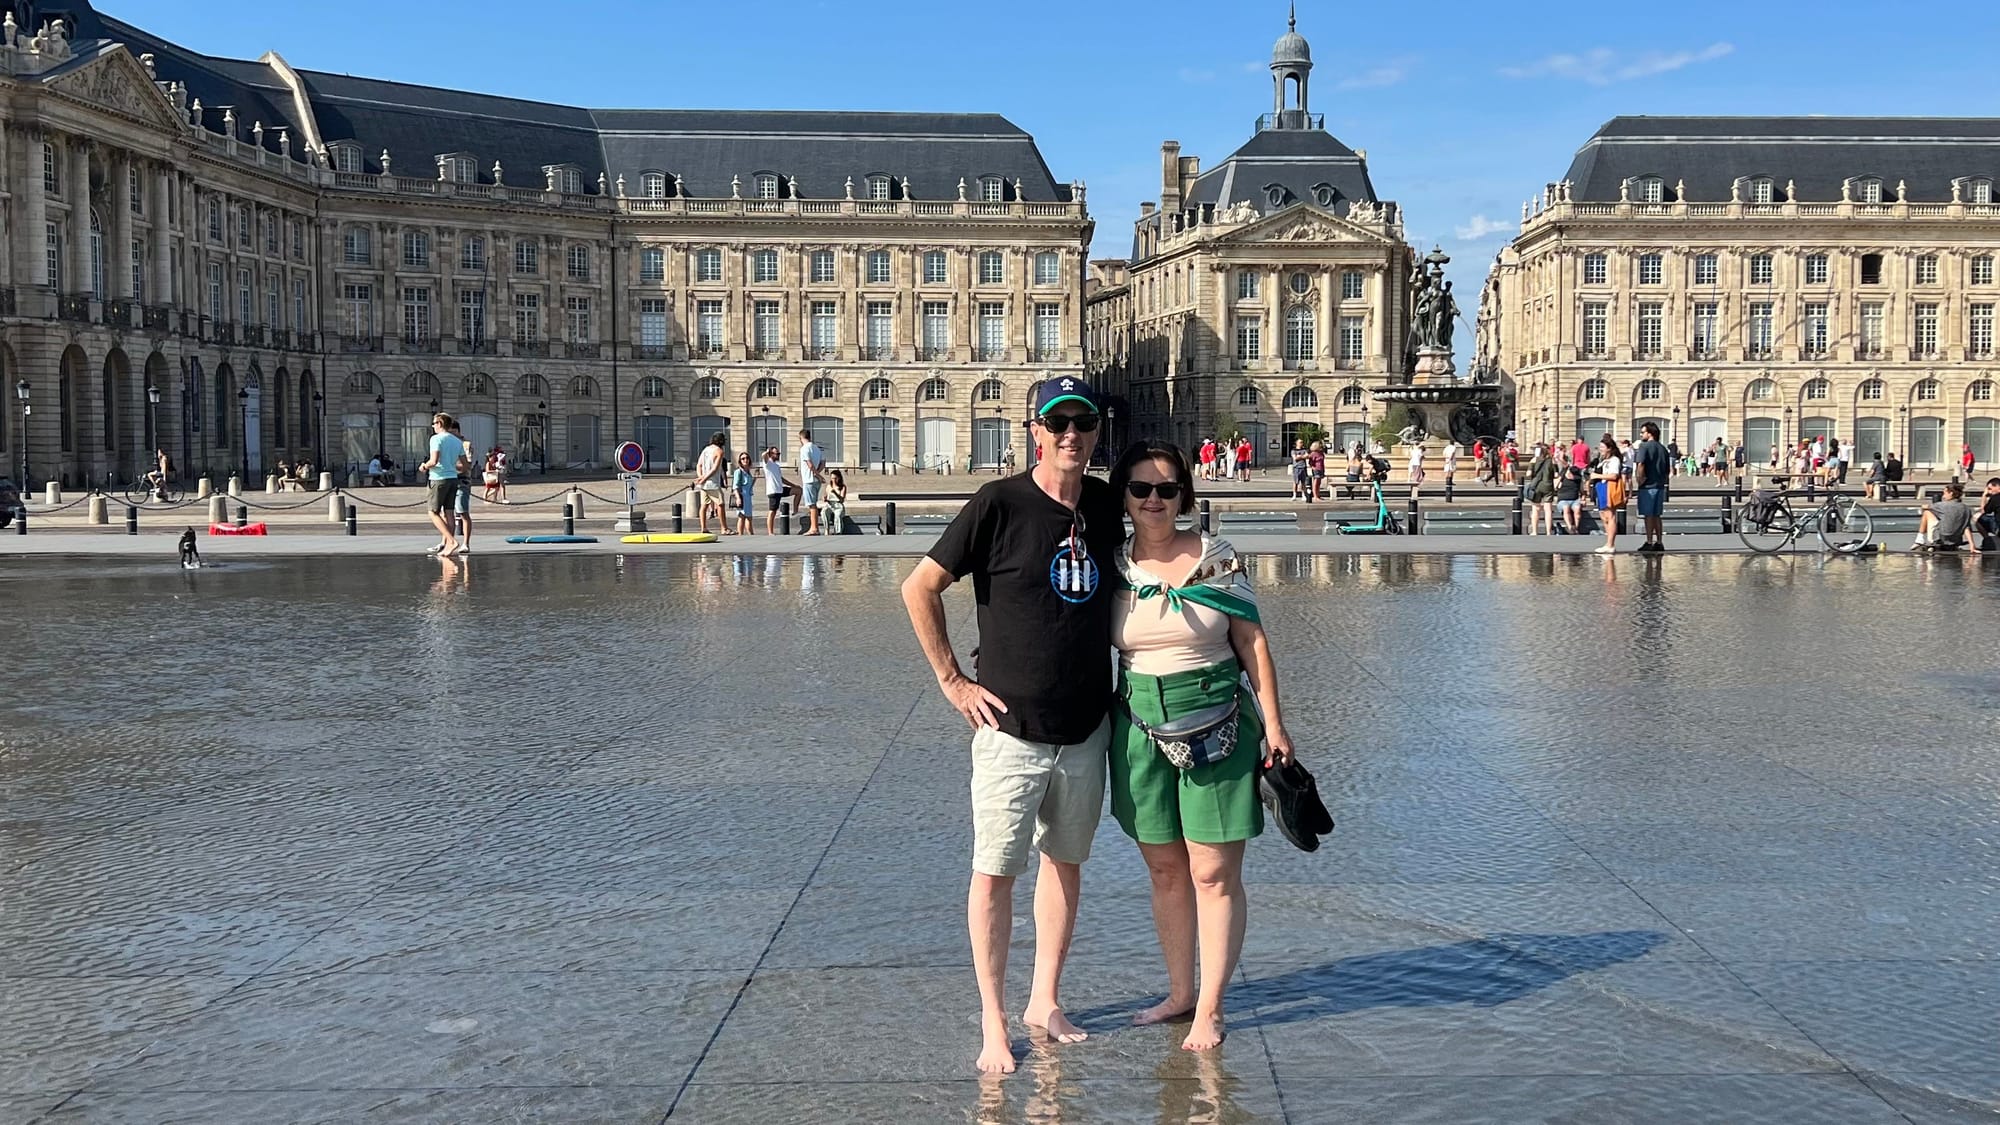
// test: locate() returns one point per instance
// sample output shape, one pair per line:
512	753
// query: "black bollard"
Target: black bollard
677	519
1412	528
1207	519
352	521
131	519
1514	517
785	518
21	520
242	515
1728	520
569	519
1739	486
1810	483
889	518
1447	490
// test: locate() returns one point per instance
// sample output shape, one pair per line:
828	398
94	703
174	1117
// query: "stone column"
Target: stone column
77	190
163	278
1327	345
121	227
32	239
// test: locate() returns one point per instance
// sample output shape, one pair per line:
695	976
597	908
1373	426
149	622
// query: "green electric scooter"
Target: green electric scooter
1386	521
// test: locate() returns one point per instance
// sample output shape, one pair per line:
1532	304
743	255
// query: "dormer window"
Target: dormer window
652	185
992	189
767	185
458	167
1979	191
1762	191
1323	194
1275	194
345	156
565	178
880	187
1868	189
1652	189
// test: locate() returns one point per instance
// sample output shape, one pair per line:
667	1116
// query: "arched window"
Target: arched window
1762	190
97	255
768	185
1301	331
765	387
1301	398
1872	390
476	385
1926	390
652	386
876	390
708	387
1652	390
992	189
1707	390
1352	396
653	185
1594	390
531	386
1246	395
583	386
363	384
422	385
1981	390
1868	189
991	390
933	390
821	388
881	187
1651	189
1761	390
1979	191
1816	390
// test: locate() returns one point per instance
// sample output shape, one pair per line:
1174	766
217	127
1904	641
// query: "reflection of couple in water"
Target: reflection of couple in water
1058	584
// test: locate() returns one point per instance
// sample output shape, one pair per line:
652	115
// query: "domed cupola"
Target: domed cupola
1291	69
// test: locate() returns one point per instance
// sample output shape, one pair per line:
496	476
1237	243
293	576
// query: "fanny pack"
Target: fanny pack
1199	738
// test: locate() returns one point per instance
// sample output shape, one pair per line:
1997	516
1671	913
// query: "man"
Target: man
1892	475
1844	453
1038	547
1451	452
708	484
1579	453
1943	525
1966	460
773	467
442	467
463	519
812	473
1244	453
375	469
1988	522
1651	466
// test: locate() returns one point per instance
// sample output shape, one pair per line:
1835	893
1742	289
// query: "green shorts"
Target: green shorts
1158	803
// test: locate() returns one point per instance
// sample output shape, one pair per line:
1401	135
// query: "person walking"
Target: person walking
489	474
1451	451
1966	460
1608	486
1184	647
742	489
441	470
463	510
1038	698
1651	467
812	472
709	469
1416	467
1542	492
774	488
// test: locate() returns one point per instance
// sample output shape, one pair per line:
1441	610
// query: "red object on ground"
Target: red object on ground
238	529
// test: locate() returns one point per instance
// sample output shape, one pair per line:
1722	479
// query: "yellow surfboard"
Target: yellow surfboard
668	537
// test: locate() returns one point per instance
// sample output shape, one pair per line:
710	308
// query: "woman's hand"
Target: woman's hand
1278	743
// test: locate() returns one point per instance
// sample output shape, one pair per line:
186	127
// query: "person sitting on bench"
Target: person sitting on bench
1943	525
1987	523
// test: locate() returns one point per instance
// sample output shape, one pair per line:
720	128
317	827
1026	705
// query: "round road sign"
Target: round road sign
631	458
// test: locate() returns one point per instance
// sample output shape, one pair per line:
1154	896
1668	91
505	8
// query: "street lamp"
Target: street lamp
152	420
1110	424
1903	424
1674	433
381	428
1788	431
243	412
319	434
646	435
542	434
882	437
21	392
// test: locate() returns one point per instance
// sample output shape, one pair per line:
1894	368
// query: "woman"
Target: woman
742	482
1542	493
490	474
1187	632
833	503
1316	467
1569	493
1608	483
1354	462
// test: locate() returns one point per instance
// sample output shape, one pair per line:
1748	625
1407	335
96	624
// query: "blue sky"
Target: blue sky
1464	109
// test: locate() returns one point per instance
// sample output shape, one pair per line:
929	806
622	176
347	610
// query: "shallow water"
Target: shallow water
590	838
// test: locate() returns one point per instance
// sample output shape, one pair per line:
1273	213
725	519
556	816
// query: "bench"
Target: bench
871	523
923	524
1465	521
1256	521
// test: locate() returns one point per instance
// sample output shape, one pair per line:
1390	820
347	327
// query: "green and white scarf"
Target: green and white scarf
1218	581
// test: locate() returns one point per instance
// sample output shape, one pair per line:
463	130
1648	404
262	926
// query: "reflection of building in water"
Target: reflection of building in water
1762	279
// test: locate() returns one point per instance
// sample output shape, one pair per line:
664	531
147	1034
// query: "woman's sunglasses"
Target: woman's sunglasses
1139	490
1060	423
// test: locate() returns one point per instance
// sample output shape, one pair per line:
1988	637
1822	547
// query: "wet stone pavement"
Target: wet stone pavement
618	839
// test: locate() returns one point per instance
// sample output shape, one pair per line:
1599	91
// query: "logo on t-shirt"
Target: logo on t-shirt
1073	573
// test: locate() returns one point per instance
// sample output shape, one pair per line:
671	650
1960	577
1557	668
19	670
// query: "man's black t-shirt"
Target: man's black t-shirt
1043	578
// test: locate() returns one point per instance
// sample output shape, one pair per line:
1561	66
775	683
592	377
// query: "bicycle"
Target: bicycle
1767	523
141	492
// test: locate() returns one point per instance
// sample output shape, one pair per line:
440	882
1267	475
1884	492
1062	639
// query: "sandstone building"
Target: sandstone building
1264	294
305	265
1762	279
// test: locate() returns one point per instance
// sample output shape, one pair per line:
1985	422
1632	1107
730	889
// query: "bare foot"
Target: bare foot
1205	1035
996	1054
1055	1023
1162	1012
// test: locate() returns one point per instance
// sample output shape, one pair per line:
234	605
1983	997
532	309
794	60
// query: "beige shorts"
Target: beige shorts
1035	795
707	496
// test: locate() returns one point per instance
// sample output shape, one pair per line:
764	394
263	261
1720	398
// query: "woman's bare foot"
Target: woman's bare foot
1055	1023
1205	1035
996	1054
1165	1010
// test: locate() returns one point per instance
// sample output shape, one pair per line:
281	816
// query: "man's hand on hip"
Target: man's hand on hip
978	705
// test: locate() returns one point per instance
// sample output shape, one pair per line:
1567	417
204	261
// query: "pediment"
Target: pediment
115	81
1305	223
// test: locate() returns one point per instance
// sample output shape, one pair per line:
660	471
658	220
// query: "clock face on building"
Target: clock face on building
1301	281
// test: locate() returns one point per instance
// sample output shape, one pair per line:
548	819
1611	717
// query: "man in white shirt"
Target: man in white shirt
1451	451
812	470
1844	455
1416	466
708	482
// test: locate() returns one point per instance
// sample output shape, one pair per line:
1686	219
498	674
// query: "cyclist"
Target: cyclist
163	471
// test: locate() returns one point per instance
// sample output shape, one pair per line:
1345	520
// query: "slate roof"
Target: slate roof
1295	161
1818	153
706	148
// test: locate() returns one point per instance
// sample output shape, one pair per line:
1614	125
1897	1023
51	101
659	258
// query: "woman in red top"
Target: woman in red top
1316	468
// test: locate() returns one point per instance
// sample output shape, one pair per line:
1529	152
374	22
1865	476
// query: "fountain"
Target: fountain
1438	400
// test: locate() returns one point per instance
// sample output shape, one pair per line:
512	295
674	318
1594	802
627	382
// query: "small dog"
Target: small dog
190	554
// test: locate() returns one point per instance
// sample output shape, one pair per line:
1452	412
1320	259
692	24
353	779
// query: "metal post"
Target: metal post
21	520
242	516
351	520
785	518
1728	514
1415	512
1207	519
569	519
889	518
131	519
1739	486
1514	516
677	519
1447	489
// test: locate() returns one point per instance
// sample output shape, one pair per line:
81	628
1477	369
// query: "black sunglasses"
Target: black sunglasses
1060	423
1139	489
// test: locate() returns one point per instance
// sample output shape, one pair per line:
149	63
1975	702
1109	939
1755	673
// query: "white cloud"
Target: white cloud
1601	66
1374	78
1479	226
1193	76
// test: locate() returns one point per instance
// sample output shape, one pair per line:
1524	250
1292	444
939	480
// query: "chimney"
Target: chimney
1190	169
1146	210
1170	176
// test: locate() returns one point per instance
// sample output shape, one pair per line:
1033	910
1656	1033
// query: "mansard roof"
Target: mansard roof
1296	160
1816	153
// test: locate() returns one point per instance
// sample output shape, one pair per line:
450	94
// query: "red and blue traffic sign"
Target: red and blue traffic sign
631	458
